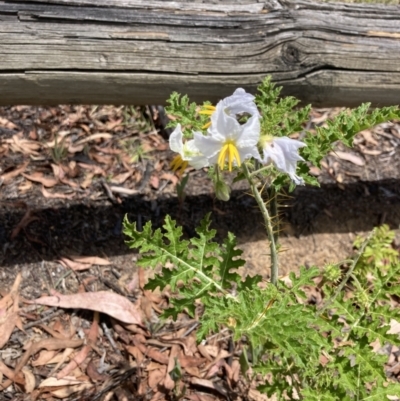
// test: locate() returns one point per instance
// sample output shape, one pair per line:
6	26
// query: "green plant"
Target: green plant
59	152
379	254
180	189
308	352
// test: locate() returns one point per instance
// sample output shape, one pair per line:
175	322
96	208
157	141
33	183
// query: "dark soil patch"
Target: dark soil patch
95	227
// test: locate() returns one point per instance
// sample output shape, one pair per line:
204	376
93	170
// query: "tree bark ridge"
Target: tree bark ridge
125	52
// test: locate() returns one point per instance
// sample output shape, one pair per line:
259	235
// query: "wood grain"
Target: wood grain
135	52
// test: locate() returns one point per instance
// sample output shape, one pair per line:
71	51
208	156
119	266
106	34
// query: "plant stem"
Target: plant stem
259	170
268	224
274	212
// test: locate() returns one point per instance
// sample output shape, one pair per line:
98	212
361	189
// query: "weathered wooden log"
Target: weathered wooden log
137	52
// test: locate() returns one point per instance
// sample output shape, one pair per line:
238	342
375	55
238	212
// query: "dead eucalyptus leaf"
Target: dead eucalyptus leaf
96	170
173	355
150	352
75	266
83	353
94	374
92	260
121	178
38	177
49	344
106	302
156	376
136	353
44	357
54	195
170	177
154	181
54	382
7	123
7	325
203	383
30	381
100	135
10	374
350	157
68	389
14	173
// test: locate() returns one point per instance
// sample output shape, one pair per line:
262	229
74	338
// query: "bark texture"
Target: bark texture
137	52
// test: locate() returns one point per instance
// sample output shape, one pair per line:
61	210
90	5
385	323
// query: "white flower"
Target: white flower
187	151
228	140
284	153
240	102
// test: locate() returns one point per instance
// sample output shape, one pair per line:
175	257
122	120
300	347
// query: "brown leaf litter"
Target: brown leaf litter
72	154
121	350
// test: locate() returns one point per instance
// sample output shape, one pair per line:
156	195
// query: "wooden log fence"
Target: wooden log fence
138	52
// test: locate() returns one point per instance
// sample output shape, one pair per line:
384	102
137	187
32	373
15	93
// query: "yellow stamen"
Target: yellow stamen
208	110
178	165
229	151
205	126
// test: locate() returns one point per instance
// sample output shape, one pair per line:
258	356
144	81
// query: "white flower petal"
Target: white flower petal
176	140
223	126
297	180
207	145
193	155
240	102
250	133
290	145
188	150
283	152
248	152
199	162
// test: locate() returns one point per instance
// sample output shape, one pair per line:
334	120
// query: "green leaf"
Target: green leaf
227	263
186	114
197	269
381	392
244	362
344	128
278	117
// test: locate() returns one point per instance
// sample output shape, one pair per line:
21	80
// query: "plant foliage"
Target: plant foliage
185	113
303	350
317	352
280	117
197	267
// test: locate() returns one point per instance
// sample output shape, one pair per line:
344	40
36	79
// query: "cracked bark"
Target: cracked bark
125	52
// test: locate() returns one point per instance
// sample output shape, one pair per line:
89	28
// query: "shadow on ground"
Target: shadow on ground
95	228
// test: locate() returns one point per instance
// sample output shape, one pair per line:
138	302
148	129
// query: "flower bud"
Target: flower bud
222	190
332	273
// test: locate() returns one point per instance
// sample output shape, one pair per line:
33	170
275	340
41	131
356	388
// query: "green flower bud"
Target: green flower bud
332	273
222	190
361	297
